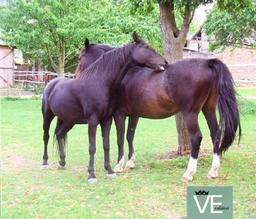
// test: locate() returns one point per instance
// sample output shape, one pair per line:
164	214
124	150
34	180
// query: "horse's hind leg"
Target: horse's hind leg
61	133
191	120
213	126
47	117
132	124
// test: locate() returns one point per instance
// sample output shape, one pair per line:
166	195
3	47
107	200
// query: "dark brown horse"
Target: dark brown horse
90	98
188	86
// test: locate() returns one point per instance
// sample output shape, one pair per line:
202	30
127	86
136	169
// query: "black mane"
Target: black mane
108	61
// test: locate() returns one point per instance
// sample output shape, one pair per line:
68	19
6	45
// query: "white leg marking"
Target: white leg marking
120	166
213	173
112	175
92	180
130	163
61	167
191	170
44	167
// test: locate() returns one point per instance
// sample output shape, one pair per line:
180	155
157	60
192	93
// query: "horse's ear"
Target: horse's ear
86	43
135	37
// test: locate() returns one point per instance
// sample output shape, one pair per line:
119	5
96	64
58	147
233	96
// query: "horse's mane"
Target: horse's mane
108	61
103	47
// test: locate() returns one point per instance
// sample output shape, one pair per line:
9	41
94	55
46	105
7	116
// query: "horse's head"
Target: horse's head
146	56
89	54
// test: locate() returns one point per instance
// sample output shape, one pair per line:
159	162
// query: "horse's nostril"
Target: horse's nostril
166	63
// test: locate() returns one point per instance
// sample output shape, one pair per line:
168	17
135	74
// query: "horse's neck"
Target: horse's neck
115	71
109	70
121	63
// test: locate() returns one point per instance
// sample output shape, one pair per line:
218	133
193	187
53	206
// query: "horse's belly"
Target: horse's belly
69	113
151	108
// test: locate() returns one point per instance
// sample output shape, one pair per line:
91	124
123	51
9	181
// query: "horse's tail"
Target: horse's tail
43	106
61	140
64	143
227	105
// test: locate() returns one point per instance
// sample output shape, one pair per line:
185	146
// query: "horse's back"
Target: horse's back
51	85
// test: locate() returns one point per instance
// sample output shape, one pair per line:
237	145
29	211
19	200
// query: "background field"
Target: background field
152	190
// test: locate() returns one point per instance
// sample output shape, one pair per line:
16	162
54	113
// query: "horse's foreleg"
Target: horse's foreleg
213	126
191	121
120	129
105	129
92	127
132	124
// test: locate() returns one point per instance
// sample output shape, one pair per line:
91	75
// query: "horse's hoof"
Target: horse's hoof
45	162
130	165
60	167
212	175
119	166
186	178
44	167
92	180
118	169
112	175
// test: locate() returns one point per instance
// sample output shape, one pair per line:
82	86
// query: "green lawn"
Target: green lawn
152	190
246	91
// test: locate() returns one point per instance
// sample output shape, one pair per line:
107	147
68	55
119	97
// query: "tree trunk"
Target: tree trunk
173	49
61	68
184	143
37	64
61	58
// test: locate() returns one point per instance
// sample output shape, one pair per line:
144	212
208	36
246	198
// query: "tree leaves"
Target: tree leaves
37	27
231	29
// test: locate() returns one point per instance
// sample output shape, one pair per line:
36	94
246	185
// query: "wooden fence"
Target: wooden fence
36	77
34	81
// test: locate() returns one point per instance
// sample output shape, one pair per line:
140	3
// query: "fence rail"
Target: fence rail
36	77
35	80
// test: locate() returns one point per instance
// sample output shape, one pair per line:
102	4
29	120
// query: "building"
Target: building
6	65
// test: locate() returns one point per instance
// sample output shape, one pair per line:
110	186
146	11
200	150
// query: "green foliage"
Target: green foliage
46	30
232	28
179	5
49	30
234	6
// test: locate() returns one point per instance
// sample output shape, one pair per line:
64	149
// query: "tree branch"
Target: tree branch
188	17
70	55
172	19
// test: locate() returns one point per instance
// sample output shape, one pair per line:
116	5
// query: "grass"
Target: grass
246	91
152	190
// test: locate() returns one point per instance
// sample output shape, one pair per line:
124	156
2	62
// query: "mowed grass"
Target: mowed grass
246	91
152	190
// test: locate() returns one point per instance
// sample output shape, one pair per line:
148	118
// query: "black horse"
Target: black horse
188	86
90	98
